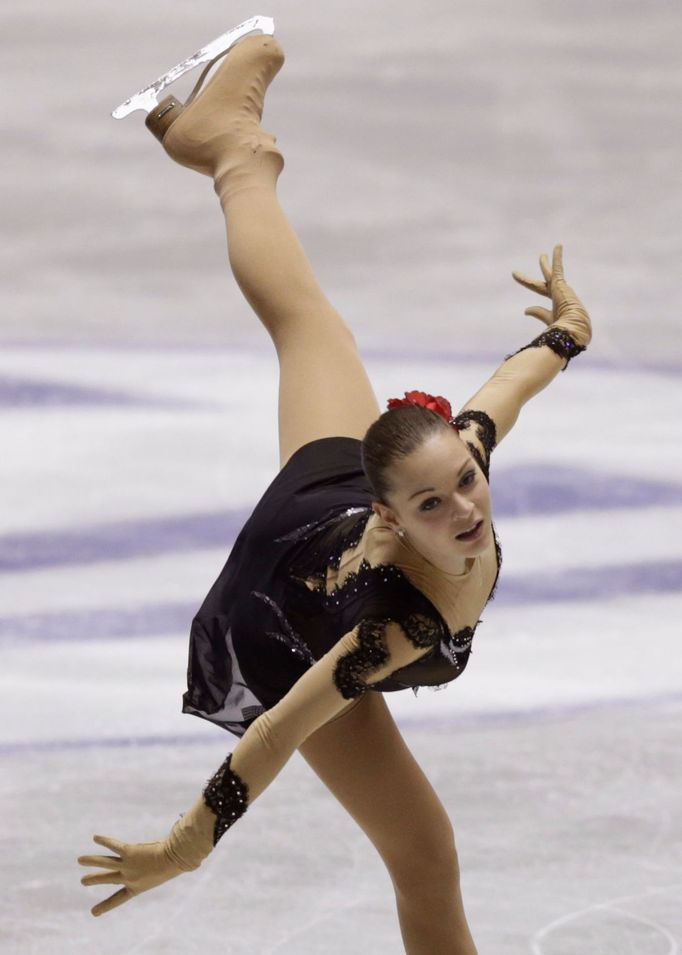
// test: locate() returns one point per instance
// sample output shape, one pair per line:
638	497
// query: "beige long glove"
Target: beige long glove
371	651
568	311
528	370
144	865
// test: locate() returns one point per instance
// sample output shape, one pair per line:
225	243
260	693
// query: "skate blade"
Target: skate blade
147	98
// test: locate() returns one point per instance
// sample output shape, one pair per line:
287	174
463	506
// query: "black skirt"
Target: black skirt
254	635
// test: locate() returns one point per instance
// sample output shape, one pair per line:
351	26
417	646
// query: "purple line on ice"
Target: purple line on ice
30	393
523	490
121	541
106	623
446	722
492	357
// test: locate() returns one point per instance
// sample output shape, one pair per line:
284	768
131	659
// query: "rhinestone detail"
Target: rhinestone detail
307	530
227	796
454	644
356	579
290	638
559	340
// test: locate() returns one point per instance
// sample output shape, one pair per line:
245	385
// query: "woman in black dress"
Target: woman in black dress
367	561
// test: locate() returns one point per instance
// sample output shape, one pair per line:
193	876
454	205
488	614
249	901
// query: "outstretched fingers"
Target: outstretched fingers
118	898
113	877
537	311
557	263
115	844
533	284
553	273
105	862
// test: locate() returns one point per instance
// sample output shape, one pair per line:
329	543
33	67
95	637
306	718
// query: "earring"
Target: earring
401	532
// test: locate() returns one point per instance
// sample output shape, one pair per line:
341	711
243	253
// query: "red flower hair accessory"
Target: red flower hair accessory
433	402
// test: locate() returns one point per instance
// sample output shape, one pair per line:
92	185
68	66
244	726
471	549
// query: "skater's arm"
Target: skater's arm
373	650
530	369
369	653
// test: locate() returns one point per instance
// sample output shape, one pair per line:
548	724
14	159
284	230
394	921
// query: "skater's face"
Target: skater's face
439	491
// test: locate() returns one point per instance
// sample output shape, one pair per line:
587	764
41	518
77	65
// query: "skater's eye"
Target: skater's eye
467	481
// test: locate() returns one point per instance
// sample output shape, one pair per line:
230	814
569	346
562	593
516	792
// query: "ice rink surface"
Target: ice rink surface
429	151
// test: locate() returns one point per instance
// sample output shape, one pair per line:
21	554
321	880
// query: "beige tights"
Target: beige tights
324	389
363	759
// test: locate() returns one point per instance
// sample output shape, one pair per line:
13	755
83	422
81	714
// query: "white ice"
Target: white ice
430	151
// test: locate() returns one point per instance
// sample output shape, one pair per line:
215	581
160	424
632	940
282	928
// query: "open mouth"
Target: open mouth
471	534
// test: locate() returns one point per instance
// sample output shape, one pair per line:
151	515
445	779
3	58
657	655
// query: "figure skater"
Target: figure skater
367	562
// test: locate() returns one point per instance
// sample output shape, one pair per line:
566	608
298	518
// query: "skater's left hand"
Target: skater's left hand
568	311
137	867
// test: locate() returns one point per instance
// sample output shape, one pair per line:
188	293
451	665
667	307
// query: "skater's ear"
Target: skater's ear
385	513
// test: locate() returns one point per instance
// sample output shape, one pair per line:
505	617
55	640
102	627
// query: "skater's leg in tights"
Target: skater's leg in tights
364	761
324	389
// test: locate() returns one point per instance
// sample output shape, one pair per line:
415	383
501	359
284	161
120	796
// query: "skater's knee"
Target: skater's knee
428	865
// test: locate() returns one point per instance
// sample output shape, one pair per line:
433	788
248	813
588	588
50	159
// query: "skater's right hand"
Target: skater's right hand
568	311
137	867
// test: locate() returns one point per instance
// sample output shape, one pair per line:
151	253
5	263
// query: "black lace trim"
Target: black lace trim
498	558
486	432
559	340
371	654
421	630
227	796
478	457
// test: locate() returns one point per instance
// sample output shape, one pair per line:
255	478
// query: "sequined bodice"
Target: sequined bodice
351	555
348	569
369	546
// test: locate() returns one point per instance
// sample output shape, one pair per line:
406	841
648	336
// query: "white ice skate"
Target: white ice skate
147	98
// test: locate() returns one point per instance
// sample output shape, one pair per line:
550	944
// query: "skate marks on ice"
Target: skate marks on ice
591	929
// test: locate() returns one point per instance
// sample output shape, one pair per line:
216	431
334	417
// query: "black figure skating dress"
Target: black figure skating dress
314	562
311	563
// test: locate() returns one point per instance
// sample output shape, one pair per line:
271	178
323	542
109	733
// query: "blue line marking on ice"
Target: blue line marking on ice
121	541
568	584
29	393
534	489
377	353
100	623
480	720
516	491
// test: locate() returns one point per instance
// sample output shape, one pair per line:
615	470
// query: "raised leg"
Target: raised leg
324	389
363	759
